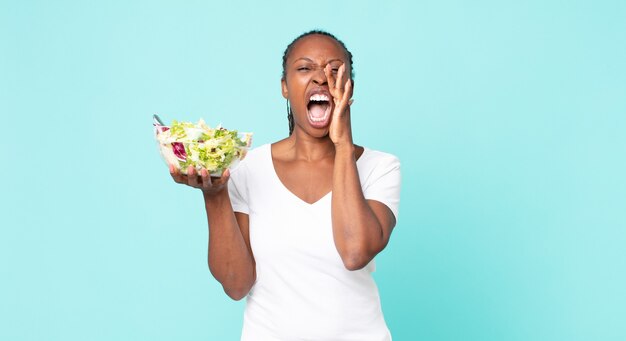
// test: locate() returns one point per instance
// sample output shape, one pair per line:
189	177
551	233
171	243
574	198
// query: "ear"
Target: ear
283	86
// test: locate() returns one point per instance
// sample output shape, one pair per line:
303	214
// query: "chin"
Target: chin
316	132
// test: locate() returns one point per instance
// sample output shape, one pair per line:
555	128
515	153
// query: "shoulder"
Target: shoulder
374	165
252	160
256	154
372	158
380	178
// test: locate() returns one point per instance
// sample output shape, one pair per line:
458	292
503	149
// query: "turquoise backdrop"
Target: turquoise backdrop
509	118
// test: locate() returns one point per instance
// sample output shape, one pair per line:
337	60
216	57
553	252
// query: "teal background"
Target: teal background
509	118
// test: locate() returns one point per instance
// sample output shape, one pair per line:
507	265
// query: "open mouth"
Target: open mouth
318	109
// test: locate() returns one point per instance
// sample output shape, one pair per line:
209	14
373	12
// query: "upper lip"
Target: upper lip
317	91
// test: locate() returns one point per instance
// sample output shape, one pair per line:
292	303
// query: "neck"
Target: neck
309	148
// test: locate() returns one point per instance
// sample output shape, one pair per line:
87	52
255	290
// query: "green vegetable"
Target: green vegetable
214	149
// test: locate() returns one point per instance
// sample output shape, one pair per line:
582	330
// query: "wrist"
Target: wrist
346	149
212	197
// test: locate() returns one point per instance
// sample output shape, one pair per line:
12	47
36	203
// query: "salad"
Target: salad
185	144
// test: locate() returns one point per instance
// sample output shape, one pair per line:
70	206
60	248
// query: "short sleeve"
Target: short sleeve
238	190
383	184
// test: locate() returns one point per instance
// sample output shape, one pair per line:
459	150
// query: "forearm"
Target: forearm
229	258
357	232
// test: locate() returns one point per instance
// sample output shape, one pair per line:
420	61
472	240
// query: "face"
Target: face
305	84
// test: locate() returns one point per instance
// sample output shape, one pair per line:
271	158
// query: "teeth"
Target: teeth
320	119
318	97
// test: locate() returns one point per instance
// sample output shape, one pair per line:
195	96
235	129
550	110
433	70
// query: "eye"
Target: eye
303	68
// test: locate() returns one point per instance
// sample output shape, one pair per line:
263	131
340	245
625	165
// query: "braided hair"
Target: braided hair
288	51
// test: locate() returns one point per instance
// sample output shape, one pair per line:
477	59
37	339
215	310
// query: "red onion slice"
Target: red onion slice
179	151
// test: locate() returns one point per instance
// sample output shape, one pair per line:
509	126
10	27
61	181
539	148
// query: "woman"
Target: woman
298	225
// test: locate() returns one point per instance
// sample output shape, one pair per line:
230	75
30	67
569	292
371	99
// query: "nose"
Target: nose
319	77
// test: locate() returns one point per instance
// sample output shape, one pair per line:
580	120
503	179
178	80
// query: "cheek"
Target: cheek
296	86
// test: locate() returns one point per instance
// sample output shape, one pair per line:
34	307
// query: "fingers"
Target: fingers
175	173
192	176
340	76
347	93
337	85
221	181
201	180
330	79
225	176
206	178
190	179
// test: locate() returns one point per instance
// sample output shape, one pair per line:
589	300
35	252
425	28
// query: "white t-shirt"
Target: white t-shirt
303	290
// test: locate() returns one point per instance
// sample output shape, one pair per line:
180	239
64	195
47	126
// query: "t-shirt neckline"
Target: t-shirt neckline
282	185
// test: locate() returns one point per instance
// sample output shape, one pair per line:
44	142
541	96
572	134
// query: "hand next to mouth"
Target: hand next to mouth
340	131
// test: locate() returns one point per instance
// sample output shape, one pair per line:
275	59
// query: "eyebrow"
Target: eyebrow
310	60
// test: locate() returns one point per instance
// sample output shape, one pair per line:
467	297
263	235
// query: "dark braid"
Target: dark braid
290	118
288	51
